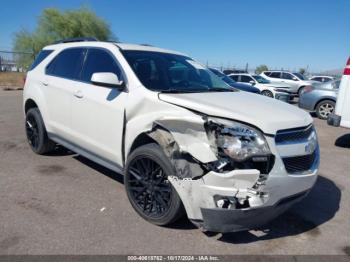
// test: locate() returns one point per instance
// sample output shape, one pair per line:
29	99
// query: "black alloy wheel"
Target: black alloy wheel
150	192
149	187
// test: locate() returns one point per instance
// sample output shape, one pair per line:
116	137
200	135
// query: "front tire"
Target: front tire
148	188
36	133
267	93
324	108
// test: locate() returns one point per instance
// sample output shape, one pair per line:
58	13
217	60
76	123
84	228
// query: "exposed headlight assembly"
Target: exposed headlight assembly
238	141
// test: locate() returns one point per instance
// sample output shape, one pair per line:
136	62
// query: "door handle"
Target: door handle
45	83
79	94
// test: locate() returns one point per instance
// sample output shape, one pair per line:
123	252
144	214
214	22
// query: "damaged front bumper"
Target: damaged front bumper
231	201
233	220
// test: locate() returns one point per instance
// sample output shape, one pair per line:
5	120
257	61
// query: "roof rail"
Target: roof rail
75	39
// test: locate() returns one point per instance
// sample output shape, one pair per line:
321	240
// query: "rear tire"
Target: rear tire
36	133
267	93
324	108
148	188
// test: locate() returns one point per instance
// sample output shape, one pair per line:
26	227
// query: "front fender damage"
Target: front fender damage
198	180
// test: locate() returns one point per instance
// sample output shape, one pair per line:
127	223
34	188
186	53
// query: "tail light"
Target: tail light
347	68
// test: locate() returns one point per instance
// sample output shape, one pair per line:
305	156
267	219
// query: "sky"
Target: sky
280	34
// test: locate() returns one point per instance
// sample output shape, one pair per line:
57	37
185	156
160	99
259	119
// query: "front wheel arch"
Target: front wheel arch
29	104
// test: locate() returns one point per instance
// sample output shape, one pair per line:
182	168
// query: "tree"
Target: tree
261	68
54	25
302	71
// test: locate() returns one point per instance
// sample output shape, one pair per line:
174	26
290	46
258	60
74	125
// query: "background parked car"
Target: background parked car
276	90
322	79
320	100
240	86
232	71
295	80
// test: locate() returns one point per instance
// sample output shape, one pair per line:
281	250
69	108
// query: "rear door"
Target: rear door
97	111
60	78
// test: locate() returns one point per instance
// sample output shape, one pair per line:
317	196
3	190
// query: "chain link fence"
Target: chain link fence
15	61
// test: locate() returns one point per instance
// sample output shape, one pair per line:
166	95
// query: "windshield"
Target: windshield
166	72
300	76
261	80
224	77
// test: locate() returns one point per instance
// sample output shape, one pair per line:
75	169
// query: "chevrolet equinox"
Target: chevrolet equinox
185	141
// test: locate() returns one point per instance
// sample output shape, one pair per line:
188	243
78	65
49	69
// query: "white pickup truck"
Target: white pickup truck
341	117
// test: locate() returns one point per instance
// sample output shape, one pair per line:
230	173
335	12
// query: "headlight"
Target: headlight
238	141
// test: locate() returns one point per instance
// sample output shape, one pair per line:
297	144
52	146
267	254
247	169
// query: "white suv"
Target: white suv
273	90
296	81
184	139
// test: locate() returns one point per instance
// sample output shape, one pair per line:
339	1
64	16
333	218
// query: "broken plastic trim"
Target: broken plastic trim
186	166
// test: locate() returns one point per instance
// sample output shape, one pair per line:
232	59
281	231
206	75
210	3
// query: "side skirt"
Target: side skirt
90	155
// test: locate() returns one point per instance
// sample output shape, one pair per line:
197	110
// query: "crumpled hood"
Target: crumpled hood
270	115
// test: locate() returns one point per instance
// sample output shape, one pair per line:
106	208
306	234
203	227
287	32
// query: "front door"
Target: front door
98	112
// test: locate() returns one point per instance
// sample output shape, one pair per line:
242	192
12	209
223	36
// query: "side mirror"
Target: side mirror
295	79
252	82
107	80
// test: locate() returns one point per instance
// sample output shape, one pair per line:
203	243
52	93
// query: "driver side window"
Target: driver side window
246	79
99	60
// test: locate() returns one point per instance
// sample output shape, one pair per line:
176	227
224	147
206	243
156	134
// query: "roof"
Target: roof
125	46
122	46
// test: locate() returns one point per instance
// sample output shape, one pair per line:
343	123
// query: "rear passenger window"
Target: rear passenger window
67	64
40	57
99	60
234	77
275	75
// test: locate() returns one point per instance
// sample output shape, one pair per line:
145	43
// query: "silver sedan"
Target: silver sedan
320	99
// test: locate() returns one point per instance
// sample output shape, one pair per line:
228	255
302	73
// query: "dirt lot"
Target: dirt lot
65	204
11	80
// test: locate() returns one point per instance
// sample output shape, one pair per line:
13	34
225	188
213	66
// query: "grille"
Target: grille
299	164
293	135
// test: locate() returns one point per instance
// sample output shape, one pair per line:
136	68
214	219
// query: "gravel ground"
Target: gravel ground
65	204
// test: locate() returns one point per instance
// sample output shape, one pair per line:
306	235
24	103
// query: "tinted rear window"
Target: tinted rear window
67	64
275	75
39	58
